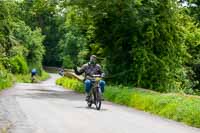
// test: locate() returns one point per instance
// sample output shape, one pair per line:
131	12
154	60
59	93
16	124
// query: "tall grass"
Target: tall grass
6	81
26	78
71	84
5	78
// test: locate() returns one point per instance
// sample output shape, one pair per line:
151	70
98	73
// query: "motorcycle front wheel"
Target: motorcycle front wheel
98	100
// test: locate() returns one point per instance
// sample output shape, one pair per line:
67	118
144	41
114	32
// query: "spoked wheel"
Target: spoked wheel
98	100
98	104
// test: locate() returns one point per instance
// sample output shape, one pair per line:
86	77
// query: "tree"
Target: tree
45	15
143	42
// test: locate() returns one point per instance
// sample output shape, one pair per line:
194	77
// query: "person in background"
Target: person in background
61	71
33	74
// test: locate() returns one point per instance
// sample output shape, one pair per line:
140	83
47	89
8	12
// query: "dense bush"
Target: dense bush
26	78
5	78
44	75
178	107
67	62
71	83
21	48
151	44
18	65
32	41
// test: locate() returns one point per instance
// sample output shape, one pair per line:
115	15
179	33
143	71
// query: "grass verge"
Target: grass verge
27	78
7	79
177	107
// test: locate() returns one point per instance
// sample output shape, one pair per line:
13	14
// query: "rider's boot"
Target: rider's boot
87	97
102	98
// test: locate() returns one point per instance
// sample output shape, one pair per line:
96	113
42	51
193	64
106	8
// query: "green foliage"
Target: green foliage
33	42
18	65
154	44
150	42
44	76
75	39
178	107
67	62
172	106
70	84
5	78
22	78
45	15
7	40
26	78
21	48
194	9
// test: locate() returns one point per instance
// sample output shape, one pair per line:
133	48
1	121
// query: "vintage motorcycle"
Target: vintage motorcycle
95	95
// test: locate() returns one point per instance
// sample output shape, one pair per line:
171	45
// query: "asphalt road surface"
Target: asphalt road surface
47	108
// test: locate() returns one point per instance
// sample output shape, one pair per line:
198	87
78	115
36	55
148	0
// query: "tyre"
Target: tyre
98	100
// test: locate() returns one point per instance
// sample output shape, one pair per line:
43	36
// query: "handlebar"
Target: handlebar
96	76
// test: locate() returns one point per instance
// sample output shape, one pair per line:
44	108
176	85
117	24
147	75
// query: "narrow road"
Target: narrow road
47	108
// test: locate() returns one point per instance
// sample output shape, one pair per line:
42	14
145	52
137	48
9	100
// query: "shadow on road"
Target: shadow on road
92	108
46	94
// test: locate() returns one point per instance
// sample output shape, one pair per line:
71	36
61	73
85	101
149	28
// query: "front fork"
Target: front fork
99	89
94	93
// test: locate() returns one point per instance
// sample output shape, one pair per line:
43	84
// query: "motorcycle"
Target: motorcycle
95	95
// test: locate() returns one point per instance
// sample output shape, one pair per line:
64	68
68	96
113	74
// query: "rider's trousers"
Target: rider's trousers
88	85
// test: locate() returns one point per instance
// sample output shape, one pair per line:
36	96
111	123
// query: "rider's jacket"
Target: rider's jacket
89	69
34	71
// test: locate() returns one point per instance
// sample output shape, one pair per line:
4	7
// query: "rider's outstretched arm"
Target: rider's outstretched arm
76	71
81	71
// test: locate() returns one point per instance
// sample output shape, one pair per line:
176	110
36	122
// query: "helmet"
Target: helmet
93	59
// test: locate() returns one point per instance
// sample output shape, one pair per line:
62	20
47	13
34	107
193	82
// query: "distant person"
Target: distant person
33	74
61	71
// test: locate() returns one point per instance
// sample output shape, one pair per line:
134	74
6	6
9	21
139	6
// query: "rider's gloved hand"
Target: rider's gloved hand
75	68
103	75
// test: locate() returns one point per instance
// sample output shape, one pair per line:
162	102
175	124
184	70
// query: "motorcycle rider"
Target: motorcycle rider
33	74
89	69
61	71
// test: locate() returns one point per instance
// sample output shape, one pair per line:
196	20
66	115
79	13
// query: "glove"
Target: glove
103	75
75	68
